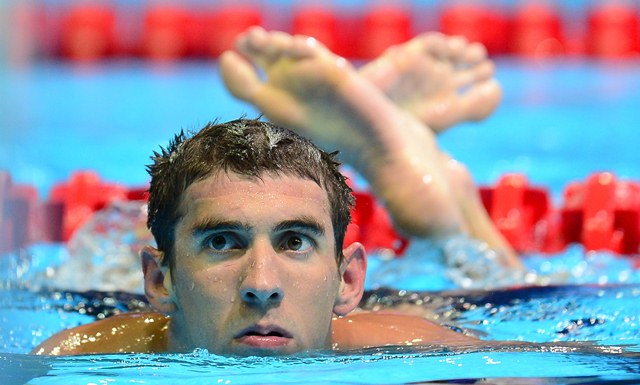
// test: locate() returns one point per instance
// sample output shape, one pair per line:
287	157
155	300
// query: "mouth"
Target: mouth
264	336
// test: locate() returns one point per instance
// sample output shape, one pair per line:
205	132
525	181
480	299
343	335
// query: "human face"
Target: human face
255	266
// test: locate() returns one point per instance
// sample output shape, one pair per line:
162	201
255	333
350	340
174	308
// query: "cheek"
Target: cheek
319	289
206	287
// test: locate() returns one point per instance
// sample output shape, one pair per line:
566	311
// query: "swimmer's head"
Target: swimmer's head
245	147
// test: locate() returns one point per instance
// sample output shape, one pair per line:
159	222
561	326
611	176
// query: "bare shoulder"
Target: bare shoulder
123	333
369	329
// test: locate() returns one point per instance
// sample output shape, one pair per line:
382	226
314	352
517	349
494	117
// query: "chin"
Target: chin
246	351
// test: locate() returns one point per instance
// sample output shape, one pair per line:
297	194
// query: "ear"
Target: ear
157	280
352	271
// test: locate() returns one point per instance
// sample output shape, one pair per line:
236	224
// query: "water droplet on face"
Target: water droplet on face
193	285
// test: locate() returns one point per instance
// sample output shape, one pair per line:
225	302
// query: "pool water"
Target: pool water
556	316
393	366
560	121
569	333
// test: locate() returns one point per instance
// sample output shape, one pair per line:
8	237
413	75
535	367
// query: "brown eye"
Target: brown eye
222	242
294	243
218	242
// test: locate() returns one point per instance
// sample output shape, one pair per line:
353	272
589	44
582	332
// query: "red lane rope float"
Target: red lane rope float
519	211
601	213
372	226
88	32
165	33
383	26
221	26
613	31
537	31
77	200
319	21
477	23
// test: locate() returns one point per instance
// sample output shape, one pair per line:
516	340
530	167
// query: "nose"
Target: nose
262	286
257	297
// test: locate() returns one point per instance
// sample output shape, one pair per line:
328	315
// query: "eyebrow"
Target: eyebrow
301	223
209	224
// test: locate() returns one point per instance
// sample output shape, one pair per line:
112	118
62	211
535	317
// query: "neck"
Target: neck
177	340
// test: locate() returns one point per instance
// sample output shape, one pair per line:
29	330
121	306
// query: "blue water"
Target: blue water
409	366
587	333
557	317
559	122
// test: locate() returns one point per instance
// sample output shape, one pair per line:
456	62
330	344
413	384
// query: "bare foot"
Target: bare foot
302	89
321	96
442	80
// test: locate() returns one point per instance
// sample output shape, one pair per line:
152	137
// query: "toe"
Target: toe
475	53
456	49
238	75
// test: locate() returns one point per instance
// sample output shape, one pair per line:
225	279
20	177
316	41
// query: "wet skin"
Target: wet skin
255	270
148	333
255	274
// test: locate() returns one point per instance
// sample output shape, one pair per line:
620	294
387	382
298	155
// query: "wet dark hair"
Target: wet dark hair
246	147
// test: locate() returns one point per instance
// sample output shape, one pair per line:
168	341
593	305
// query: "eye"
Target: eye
222	242
296	242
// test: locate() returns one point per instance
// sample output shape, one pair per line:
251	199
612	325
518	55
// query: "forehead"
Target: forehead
229	194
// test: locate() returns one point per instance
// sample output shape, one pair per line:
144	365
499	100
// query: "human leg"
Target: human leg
320	95
444	80
478	222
